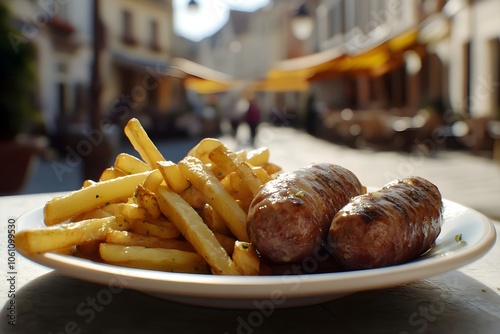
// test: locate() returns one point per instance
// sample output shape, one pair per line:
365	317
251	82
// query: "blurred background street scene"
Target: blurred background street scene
405	79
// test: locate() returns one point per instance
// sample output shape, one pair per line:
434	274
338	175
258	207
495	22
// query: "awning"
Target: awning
296	74
293	74
205	86
281	85
199	78
374	61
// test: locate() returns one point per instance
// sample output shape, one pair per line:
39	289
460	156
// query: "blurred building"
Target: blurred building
378	73
134	63
472	50
133	40
374	73
62	34
393	74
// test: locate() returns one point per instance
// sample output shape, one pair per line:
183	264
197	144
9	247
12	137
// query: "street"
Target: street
470	180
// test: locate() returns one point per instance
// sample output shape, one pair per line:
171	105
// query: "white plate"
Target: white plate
478	236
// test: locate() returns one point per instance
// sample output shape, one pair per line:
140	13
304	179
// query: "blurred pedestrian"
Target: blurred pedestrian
252	118
237	115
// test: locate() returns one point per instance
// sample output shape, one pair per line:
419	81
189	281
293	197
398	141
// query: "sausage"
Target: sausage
395	224
289	217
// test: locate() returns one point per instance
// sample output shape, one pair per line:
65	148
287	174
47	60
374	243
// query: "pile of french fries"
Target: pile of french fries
152	213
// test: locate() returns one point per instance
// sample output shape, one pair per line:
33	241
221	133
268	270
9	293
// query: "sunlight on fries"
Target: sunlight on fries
142	143
195	231
152	213
246	258
216	195
60	236
129	164
98	194
173	260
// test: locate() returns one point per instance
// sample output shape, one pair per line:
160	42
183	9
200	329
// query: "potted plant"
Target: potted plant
17	106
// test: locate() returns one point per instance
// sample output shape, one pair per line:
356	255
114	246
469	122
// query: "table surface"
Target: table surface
466	300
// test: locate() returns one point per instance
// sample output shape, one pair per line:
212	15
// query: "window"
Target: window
127	28
154	36
332	26
62	100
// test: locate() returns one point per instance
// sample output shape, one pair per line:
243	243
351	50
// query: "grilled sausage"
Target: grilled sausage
396	224
289	217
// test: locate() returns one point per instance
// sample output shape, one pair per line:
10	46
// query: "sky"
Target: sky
210	16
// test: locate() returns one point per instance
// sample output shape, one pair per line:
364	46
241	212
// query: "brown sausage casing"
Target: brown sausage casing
390	226
289	217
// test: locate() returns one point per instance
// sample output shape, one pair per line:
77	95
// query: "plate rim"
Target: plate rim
237	287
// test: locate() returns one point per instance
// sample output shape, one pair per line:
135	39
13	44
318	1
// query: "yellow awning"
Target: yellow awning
403	41
374	61
281	85
199	78
295	74
204	86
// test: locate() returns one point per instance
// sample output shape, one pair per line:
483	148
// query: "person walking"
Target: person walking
252	118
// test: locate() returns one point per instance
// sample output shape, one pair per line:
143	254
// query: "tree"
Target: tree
17	78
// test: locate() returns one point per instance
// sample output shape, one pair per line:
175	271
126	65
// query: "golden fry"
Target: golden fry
142	143
92	214
172	260
110	173
87	183
262	174
172	175
228	162
77	202
129	164
68	234
236	187
165	229
194	197
246	258
213	220
272	169
226	242
129	211
195	231
153	180
216	195
147	200
258	157
203	148
135	239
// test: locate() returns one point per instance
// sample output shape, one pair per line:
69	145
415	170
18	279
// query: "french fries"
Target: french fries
230	161
98	194
203	180
246	258
135	239
61	236
111	173
153	258
146	199
142	143
129	164
161	229
203	149
152	213
172	175
195	231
